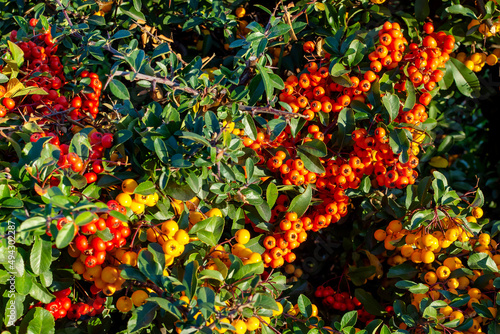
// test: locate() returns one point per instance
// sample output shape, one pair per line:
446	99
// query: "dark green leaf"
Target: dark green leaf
119	90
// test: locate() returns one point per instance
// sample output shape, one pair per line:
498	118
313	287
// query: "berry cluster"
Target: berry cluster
138	203
342	302
90	101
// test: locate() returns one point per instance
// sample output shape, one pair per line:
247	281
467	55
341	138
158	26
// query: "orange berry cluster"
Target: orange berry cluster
288	235
292	170
379	161
422	62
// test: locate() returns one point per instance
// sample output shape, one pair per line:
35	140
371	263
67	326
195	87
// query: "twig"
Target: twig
65	12
174	85
269	110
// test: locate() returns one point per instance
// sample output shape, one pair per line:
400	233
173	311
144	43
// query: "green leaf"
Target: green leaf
142	317
271	194
439	185
249	127
190	280
278	30
391	104
150	268
121	34
358	53
41	256
161	50
119	90
411	97
211	274
118	215
349	319
371	305
268	84
32	224
161	150
422	9
301	202
466	80
482	261
462	10
315	147
346	124
65	235
145	188
305	306
209	230
84	218
311	162
17	53
38	321
166	305
404	271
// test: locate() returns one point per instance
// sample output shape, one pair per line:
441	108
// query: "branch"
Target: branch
174	85
65	12
269	110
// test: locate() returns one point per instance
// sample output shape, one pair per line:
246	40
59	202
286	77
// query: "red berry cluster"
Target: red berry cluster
99	143
90	101
93	250
61	306
342	302
92	308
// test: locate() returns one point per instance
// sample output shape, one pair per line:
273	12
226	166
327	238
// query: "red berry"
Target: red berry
107	140
82	243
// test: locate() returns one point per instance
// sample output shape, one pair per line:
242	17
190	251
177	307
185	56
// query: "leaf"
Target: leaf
268	85
33	223
209	230
65	235
371	305
190	280
271	194
84	218
17	53
119	90
311	162
462	10
346	124
305	306
349	319
121	34
422	9
411	97
142	317
315	147
404	271
145	188
391	104
482	261
249	127
439	185
466	80
38	321
359	49
41	256
301	202
438	162
161	50
161	150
